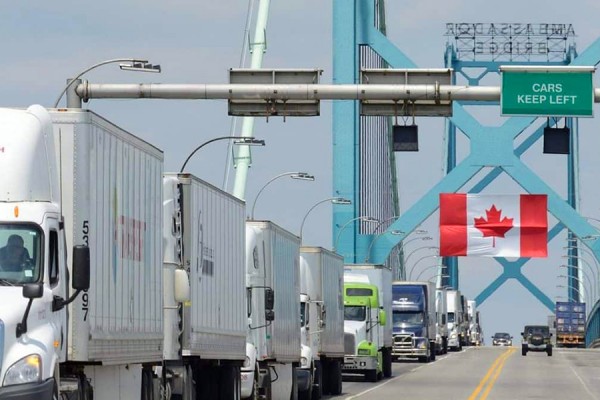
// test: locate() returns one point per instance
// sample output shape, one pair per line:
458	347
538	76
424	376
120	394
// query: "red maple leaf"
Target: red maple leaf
493	226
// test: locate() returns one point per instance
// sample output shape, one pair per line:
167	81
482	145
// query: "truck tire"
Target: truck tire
317	385
549	351
371	375
431	351
387	363
229	382
444	345
334	383
523	350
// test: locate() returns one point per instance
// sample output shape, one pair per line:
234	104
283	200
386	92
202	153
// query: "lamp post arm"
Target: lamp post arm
420	259
202	145
88	70
426	269
337	238
591	281
309	211
263	188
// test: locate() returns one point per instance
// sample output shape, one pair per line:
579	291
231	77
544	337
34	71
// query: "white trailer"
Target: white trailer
441	307
205	338
322	323
72	180
455	319
273	292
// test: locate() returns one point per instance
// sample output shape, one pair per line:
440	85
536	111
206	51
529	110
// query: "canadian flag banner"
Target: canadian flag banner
493	225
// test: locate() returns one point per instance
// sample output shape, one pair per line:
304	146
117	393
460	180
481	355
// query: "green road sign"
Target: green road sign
547	91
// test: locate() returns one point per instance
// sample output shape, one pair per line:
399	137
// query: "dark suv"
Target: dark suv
536	338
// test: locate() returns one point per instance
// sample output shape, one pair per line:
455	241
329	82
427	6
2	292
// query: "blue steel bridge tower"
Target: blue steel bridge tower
364	163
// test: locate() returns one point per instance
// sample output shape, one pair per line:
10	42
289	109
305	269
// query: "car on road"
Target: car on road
502	339
536	338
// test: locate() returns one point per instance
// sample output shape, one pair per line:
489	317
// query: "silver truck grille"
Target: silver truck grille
349	343
403	342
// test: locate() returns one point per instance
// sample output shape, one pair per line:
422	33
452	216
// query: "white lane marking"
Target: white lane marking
592	395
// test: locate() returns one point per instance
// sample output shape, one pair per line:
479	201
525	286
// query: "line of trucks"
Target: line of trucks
129	282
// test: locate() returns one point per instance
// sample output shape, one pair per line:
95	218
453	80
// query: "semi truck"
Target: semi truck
205	337
414	320
367	333
570	324
322	323
455	319
474	333
273	350
441	311
80	198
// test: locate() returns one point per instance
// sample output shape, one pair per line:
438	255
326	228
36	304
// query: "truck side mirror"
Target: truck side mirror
269	315
182	286
81	267
382	318
269	299
33	290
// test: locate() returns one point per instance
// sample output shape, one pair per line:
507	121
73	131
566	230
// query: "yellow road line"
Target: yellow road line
493	380
483	381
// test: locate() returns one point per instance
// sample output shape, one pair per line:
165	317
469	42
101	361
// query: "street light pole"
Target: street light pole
294	175
136	65
584	261
428	268
582	284
238	140
593	284
375	239
361	218
574	288
420	259
597	274
334	200
420	248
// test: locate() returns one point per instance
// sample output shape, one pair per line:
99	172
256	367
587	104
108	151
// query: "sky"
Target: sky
198	41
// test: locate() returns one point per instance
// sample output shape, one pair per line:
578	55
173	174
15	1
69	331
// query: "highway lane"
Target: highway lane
492	373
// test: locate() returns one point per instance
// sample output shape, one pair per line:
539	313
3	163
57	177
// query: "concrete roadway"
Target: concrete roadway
493	373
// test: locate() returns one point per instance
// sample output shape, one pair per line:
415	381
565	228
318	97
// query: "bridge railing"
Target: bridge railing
592	335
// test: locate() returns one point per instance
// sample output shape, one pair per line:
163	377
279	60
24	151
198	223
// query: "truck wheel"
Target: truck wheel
431	351
335	378
523	350
371	375
229	382
444	345
317	386
387	363
549	351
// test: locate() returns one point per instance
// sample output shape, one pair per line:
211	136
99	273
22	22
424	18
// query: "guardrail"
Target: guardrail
592	328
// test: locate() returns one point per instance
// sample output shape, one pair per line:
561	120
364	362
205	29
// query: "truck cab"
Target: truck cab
366	342
414	319
33	258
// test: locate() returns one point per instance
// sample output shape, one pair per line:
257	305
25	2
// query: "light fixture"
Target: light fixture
141	66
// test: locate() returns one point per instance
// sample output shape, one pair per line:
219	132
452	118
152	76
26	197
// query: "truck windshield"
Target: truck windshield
20	254
450	317
407	317
355	313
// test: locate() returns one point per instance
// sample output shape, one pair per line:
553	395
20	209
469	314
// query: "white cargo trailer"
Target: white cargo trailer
322	322
72	180
205	338
273	290
441	308
455	319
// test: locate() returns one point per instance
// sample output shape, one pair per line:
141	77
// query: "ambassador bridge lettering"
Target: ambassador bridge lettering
509	40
